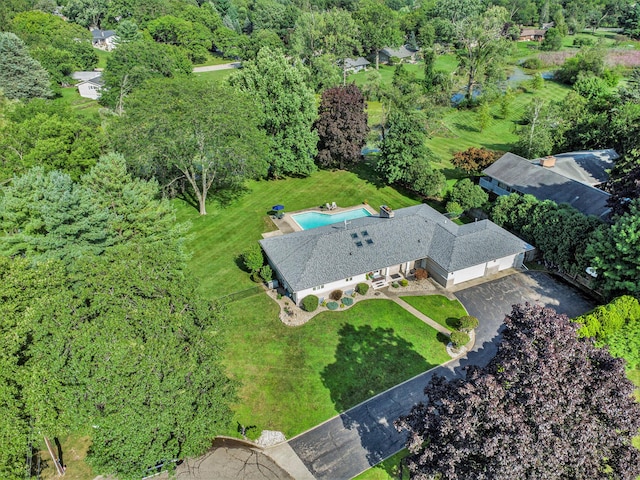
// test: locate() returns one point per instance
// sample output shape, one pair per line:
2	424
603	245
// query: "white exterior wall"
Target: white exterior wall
470	273
89	90
329	287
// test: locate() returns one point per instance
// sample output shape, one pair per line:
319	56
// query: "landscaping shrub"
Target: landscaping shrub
467	323
266	273
395	285
421	274
606	320
336	295
309	303
332	305
454	208
362	288
459	339
404	282
347	301
533	63
253	259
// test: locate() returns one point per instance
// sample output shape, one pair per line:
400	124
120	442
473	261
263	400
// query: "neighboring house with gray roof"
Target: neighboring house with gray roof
403	53
320	260
104	39
513	173
354	65
90	85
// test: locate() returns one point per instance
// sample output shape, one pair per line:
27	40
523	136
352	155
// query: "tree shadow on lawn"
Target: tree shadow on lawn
369	361
365	170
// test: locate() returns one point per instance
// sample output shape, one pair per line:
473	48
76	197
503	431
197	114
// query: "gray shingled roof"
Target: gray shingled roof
545	184
589	166
400	52
322	255
102	34
356	62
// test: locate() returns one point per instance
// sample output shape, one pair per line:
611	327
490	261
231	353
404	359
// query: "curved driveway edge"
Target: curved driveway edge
361	437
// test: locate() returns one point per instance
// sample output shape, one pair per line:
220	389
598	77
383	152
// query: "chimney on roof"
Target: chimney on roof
548	162
386	212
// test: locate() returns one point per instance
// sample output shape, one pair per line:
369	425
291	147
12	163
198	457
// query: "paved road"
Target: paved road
211	68
346	445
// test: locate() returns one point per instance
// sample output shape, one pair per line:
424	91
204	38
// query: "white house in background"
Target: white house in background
90	84
355	65
103	39
380	249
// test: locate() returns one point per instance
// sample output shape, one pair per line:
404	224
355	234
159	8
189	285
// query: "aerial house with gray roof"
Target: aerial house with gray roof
376	249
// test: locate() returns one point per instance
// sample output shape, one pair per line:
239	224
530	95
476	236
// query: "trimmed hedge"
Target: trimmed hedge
347	301
404	282
467	323
332	305
309	303
362	288
459	339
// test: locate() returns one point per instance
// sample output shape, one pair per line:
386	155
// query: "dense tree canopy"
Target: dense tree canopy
342	126
549	405
287	110
474	159
192	129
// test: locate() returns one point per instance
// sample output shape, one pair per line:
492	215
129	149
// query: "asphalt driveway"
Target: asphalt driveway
361	437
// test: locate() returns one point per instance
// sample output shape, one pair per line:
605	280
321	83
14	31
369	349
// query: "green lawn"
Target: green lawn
103	56
386	470
458	129
218	238
295	378
213	60
83	106
218	75
444	311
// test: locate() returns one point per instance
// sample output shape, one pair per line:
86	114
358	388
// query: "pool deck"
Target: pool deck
288	225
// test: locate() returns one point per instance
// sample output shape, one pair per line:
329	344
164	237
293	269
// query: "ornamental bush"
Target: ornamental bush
459	339
421	274
362	288
332	305
404	282
266	273
467	323
309	303
336	295
347	301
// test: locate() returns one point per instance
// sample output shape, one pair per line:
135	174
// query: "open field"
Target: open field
295	378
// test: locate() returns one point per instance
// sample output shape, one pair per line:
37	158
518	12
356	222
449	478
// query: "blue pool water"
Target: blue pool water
310	220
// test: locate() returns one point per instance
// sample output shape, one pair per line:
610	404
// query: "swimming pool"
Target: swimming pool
310	220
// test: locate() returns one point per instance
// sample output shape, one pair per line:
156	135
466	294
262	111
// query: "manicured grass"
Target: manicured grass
103	56
444	311
459	129
295	378
218	75
218	238
387	470
386	73
83	106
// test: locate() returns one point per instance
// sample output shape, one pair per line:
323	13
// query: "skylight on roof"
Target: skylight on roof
358	243
364	233
354	235
369	241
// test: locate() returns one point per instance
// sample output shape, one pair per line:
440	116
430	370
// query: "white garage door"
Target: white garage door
467	274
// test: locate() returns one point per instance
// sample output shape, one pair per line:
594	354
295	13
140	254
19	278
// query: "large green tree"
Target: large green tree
21	76
194	130
287	110
134	62
615	253
379	27
480	44
194	37
548	405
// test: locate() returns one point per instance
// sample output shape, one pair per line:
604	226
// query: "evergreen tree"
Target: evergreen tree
20	75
